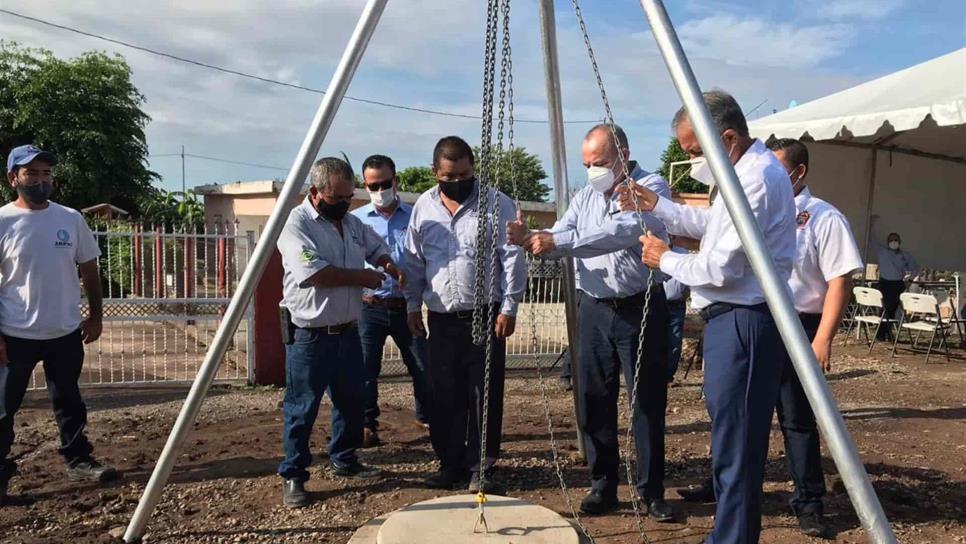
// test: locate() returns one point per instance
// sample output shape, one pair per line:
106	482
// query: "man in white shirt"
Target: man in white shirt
821	281
42	244
324	251
741	340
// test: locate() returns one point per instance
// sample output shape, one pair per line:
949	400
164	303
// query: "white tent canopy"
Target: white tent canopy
894	147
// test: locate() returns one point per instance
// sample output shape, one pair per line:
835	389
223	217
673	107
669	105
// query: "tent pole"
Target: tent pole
775	287
263	250
868	205
548	27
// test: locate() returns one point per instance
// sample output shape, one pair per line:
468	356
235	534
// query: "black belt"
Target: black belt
394	303
624	302
462	315
712	311
333	329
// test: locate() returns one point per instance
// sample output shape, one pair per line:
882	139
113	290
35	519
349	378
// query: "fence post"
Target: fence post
138	262
189	264
159	291
269	352
221	265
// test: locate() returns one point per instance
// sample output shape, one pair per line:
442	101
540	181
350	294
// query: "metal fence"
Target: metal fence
165	291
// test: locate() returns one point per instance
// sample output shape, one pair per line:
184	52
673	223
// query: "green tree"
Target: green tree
416	179
527	169
682	182
87	112
173	210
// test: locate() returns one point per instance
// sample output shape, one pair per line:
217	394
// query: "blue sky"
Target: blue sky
427	53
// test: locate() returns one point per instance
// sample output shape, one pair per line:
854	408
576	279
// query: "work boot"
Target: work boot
814	525
598	502
356	470
446	479
89	470
659	510
370	438
699	493
294	494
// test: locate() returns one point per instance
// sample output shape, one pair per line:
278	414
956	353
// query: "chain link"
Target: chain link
627	181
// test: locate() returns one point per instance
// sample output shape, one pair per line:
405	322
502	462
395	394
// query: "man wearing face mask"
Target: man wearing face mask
440	264
741	340
384	309
324	252
612	280
896	267
42	246
821	280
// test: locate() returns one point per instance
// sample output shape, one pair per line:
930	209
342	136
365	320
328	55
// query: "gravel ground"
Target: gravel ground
908	419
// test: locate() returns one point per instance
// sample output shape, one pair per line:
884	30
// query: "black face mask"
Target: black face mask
458	190
334	212
37	193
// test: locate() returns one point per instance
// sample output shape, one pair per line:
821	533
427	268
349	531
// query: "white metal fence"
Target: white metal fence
165	291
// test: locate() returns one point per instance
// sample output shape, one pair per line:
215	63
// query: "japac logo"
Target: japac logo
63	239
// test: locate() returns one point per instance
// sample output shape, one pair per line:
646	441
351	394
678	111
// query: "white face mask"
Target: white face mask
701	171
893	245
601	178
383	198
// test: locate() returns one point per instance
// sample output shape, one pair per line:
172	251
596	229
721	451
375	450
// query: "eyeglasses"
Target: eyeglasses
379	186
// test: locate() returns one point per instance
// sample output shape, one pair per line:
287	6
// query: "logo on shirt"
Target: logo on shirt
307	255
802	219
63	239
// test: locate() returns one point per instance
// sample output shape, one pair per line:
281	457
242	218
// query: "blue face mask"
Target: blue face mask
36	194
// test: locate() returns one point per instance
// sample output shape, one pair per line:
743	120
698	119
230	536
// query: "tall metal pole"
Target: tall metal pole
548	32
253	271
776	291
183	189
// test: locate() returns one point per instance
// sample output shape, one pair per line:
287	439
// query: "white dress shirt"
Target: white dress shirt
720	270
606	242
440	257
825	250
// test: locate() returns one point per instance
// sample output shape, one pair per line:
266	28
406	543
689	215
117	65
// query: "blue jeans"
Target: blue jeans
376	324
315	362
675	335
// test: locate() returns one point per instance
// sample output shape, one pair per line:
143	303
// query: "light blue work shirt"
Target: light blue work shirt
606	242
440	256
392	230
309	243
673	289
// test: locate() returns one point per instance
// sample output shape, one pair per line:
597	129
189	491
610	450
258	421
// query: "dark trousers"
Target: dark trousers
743	371
63	359
315	362
800	432
891	289
378	323
677	312
608	348
455	371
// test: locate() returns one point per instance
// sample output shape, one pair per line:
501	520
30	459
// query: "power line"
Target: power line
217	159
262	78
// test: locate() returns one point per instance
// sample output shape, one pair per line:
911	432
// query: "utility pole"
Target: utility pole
183	191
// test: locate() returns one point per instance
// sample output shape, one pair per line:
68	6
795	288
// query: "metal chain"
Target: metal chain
635	499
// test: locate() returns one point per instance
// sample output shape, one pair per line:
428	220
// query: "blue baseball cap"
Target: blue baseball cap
20	156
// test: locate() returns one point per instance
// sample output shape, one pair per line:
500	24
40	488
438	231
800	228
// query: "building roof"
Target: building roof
104	206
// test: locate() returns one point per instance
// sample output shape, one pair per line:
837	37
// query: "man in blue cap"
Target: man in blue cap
42	245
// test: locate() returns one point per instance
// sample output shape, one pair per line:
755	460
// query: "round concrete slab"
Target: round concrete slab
447	520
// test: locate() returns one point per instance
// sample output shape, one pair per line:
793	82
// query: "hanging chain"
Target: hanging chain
630	439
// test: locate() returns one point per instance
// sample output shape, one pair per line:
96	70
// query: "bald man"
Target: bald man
612	283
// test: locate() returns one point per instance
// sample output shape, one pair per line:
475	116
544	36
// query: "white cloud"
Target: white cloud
852	9
759	42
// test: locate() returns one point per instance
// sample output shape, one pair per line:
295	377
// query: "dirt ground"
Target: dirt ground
908	419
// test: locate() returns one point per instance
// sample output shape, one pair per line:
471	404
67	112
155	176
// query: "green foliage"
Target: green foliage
527	169
682	182
416	179
87	112
174	210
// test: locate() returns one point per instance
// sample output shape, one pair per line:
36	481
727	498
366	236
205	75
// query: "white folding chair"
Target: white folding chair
869	312
920	313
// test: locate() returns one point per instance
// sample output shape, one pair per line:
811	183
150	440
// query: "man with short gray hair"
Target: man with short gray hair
324	252
741	341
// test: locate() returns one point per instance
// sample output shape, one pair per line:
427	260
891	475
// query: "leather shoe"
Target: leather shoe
91	471
699	493
294	494
598	502
370	438
814	525
660	510
446	479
